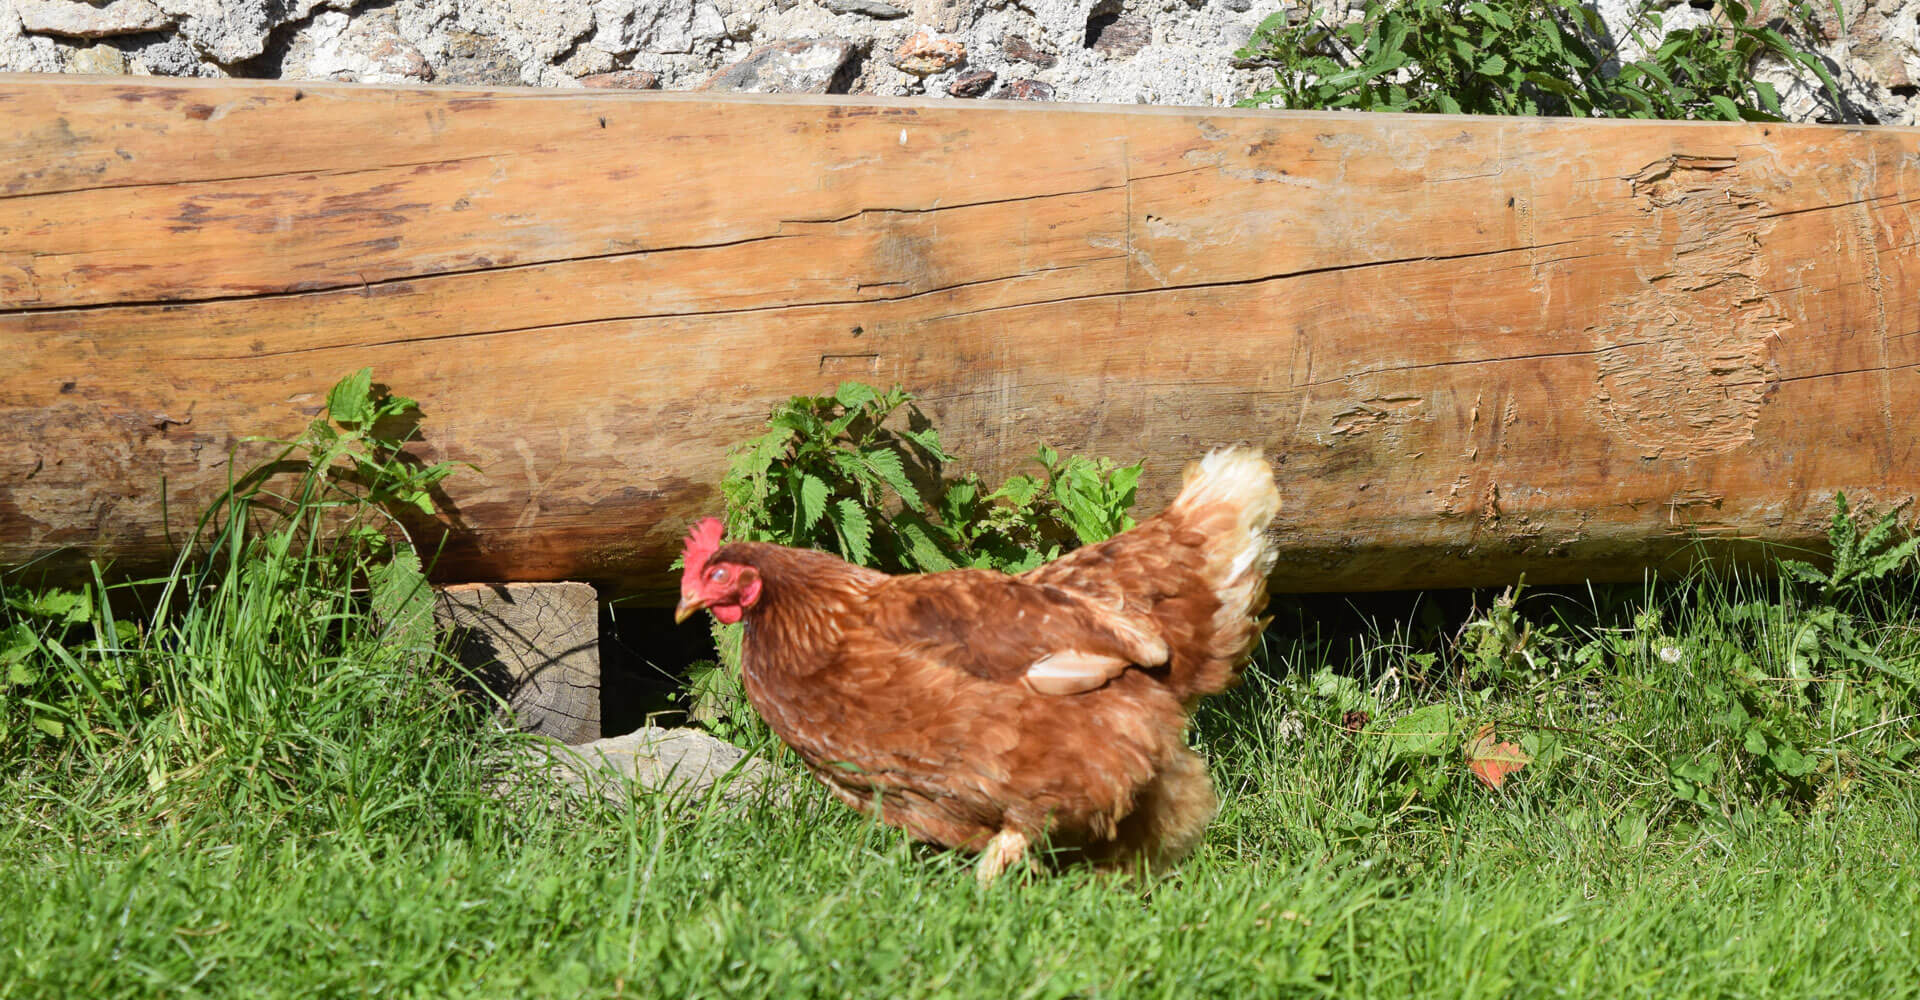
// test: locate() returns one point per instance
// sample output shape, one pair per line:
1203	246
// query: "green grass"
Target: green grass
257	777
275	812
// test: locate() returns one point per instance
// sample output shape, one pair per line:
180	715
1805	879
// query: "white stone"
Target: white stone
666	26
233	31
685	763
24	53
366	49
78	19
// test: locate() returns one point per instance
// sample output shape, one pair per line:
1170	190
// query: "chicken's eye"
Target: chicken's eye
718	575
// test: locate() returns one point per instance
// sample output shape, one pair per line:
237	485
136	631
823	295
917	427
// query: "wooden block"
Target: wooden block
537	645
1474	347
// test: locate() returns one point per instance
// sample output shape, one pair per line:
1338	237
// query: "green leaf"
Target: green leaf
961	494
1790	762
17	642
1018	490
1728	110
886	464
1497	18
854	395
395	404
803	424
67	607
1423	732
921	548
1123	483
929	441
1803	572
349	401
49	726
856	475
1493	65
850	523
401	598
813	500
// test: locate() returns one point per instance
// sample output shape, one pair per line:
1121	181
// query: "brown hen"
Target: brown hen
987	712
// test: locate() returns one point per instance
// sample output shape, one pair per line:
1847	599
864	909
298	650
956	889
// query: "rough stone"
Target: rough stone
794	66
865	8
626	79
586	60
942	15
1018	47
366	49
101	59
1119	37
476	60
685	763
164	54
687	42
622	26
78	19
1025	90
923	54
233	31
24	53
972	84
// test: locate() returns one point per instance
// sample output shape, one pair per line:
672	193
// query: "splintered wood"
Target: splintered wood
1474	347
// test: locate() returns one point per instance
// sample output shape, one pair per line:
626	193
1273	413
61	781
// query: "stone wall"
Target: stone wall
1175	52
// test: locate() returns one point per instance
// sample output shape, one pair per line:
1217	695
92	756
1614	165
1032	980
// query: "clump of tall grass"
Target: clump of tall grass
283	674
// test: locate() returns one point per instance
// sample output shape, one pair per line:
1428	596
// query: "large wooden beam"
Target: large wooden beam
1475	347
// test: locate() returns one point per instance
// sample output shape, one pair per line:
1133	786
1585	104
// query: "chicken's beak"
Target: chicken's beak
689	606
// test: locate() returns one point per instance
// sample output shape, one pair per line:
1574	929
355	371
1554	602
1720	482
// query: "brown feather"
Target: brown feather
1051	704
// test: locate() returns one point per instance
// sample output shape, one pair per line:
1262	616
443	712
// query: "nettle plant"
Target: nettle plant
862	473
830	473
1526	57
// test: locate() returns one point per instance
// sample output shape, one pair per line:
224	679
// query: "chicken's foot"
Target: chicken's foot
1006	847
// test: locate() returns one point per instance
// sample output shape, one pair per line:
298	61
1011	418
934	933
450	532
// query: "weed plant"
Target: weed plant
1528	57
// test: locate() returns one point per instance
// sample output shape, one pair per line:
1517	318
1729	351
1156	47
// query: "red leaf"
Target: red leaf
1491	762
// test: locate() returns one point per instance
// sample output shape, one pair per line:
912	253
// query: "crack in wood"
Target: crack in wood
1256	279
310	172
1896	202
365	286
1867	248
579	258
641	317
1125	184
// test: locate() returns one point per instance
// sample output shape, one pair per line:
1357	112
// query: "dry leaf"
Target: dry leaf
1491	762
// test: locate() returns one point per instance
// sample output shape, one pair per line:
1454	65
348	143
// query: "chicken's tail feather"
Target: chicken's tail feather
1195	574
1228	499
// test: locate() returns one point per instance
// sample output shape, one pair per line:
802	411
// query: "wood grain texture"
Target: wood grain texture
536	645
1474	347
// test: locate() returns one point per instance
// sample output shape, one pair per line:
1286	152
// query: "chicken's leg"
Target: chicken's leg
1004	849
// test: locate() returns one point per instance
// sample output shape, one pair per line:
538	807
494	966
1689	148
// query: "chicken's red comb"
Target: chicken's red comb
703	540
